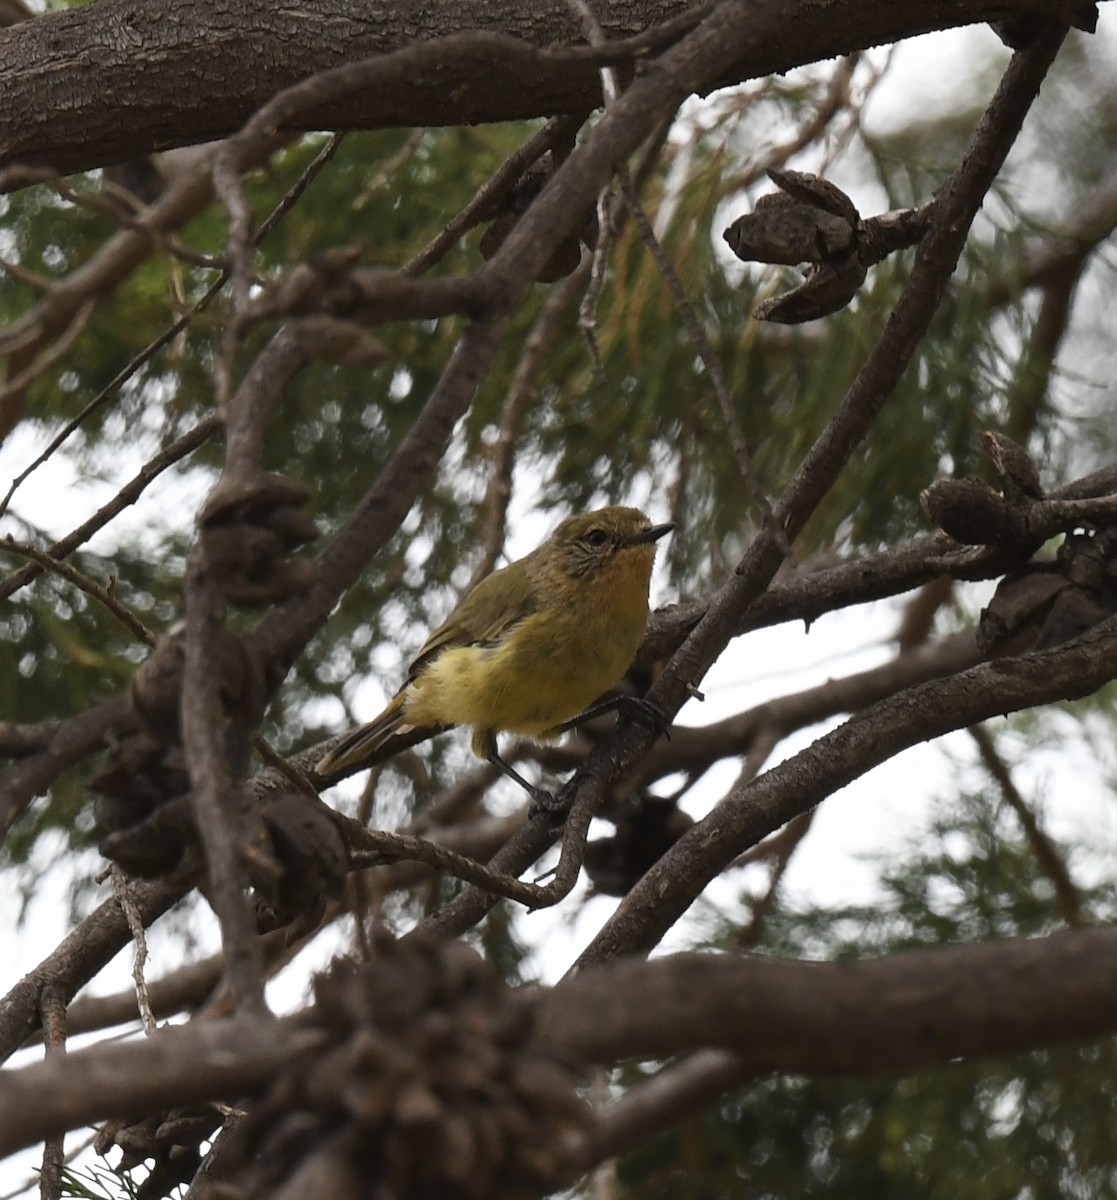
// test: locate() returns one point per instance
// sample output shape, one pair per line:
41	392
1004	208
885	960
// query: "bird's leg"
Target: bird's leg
540	796
485	746
640	708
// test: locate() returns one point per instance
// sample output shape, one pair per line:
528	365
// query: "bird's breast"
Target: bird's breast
550	667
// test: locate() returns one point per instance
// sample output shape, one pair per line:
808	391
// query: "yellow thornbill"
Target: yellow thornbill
532	646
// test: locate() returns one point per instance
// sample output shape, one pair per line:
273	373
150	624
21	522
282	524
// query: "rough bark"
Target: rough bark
118	79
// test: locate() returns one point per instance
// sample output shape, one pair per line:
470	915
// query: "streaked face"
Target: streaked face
589	541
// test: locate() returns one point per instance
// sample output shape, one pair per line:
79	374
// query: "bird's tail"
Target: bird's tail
351	751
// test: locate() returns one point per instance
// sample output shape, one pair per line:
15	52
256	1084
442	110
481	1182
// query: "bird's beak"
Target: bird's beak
652	534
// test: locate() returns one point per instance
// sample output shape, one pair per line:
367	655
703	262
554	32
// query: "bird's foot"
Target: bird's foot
640	708
544	801
552	804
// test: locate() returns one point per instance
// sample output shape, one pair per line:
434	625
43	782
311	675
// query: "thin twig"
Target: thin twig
386	172
77	1148
122	890
375	847
709	360
482	205
174	329
52	1006
104	595
74	329
664	1102
793	834
294	193
599	264
1075	238
103	205
1047	855
113	386
72	740
834	100
518	853
587	311
128	494
611	214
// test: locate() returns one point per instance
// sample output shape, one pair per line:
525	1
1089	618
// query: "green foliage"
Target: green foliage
97	1183
643	421
647	424
1031	1126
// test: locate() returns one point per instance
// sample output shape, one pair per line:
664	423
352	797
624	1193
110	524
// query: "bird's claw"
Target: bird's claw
546	801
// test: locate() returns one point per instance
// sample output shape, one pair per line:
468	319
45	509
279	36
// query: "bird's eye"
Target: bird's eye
597	537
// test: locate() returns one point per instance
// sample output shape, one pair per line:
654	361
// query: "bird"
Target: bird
532	646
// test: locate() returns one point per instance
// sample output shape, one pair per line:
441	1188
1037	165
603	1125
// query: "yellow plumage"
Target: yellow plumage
531	646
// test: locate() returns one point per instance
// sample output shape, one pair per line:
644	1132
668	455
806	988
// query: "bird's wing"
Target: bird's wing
485	617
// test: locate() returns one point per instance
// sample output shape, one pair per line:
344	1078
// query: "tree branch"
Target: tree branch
214	790
71	741
76	959
207	1060
666	1100
128	494
106	113
101	593
886	1015
867	739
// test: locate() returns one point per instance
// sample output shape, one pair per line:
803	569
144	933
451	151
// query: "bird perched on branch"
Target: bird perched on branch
532	646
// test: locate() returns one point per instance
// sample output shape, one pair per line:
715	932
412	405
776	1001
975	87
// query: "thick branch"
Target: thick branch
892	1014
213	787
208	1060
75	100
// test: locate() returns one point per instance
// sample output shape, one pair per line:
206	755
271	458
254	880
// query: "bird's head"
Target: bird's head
589	543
